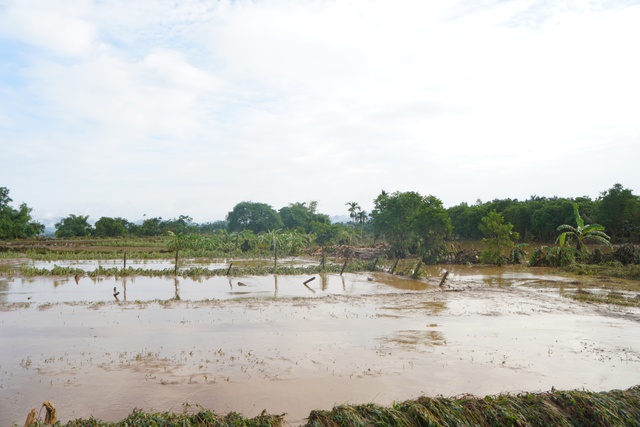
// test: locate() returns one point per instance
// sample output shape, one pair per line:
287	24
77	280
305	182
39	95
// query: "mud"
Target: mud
367	338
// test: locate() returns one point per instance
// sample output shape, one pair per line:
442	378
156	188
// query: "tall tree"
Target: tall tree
354	208
257	217
411	223
111	227
16	223
498	236
618	210
74	226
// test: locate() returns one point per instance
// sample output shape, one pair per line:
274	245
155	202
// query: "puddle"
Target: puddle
278	345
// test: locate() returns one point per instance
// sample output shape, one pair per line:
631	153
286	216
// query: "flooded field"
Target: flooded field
168	264
246	344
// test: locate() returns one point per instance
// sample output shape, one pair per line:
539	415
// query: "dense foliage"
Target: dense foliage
538	218
534	220
411	224
16	223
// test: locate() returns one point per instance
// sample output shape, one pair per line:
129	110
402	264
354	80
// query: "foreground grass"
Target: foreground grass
555	408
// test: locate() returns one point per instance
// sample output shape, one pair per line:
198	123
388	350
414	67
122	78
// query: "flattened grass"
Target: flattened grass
557	408
204	418
575	408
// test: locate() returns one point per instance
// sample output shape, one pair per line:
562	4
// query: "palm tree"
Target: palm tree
354	208
274	239
581	233
362	216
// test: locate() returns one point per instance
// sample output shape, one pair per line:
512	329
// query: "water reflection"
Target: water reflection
141	288
176	285
165	264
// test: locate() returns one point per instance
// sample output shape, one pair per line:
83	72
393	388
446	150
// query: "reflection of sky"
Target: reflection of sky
55	289
164	264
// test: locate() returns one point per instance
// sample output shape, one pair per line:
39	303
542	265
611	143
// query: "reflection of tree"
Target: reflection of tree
124	288
4	291
323	281
275	283
176	285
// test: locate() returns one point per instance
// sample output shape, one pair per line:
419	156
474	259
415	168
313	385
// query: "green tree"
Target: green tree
183	224
618	210
151	227
411	223
257	217
354	208
110	227
16	223
296	216
212	227
581	233
465	220
74	226
498	236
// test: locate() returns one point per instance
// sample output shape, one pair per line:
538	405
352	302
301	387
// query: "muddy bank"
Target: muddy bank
500	332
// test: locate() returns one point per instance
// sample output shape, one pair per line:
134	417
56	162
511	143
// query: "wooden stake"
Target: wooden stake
416	272
395	264
444	277
229	269
344	265
374	264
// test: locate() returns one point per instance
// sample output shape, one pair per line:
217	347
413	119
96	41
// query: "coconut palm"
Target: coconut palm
354	208
593	232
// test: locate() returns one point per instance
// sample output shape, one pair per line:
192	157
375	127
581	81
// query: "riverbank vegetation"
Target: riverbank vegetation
557	408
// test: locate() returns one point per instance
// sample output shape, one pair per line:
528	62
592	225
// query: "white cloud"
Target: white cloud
58	27
280	101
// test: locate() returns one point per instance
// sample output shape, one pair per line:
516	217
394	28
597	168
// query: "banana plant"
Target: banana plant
178	242
582	233
275	240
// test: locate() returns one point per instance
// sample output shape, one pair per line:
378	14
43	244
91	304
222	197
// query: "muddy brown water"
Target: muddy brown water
278	345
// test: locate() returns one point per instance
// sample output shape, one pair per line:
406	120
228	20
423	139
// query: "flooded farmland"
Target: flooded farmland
250	343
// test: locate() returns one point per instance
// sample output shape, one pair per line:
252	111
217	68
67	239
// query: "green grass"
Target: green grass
166	419
612	269
192	272
575	408
557	408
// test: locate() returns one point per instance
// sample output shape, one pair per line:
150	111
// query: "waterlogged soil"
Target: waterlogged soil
286	347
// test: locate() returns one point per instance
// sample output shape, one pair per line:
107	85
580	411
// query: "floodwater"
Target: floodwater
169	264
286	347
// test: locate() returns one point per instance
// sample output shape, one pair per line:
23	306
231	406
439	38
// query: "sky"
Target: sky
162	108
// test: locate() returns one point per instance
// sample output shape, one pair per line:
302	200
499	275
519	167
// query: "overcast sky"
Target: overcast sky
167	108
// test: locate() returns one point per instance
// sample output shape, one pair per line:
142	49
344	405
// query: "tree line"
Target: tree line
409	222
